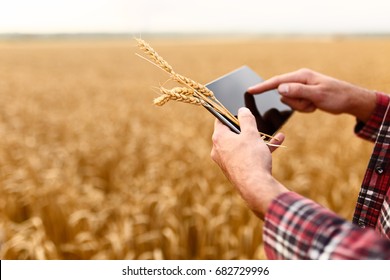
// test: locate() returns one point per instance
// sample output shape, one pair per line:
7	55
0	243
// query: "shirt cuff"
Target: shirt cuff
369	130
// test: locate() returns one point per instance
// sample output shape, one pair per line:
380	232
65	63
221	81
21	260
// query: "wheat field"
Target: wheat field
91	169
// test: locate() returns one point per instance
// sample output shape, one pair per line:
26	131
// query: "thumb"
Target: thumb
247	121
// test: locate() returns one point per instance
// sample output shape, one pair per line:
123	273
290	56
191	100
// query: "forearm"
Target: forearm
360	102
260	193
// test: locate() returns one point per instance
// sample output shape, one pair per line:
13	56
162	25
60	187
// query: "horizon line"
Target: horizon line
37	35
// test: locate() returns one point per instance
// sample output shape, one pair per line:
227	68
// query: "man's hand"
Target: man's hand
246	161
305	90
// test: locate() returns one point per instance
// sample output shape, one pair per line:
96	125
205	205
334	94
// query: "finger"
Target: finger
220	127
297	90
301	105
278	140
247	121
300	76
219	130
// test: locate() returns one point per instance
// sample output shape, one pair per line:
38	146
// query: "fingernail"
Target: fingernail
244	110
283	89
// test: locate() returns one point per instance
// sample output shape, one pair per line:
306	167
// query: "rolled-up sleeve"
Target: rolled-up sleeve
370	129
297	228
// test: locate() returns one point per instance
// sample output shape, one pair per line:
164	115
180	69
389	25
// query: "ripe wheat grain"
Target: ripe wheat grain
176	95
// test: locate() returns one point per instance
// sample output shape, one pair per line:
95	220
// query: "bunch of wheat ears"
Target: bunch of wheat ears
191	91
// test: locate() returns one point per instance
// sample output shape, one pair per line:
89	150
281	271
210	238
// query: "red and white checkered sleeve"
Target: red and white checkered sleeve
370	129
297	228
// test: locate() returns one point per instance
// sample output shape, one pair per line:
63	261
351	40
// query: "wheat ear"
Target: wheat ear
200	91
177	96
154	56
194	85
183	90
144	46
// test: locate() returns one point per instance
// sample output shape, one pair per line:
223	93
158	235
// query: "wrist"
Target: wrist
268	190
362	103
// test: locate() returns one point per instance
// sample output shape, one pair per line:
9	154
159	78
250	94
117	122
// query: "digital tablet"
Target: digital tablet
269	111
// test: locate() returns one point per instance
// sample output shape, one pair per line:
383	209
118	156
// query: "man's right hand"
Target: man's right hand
306	90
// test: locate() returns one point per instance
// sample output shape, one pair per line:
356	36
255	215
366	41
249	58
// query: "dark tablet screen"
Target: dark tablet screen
269	111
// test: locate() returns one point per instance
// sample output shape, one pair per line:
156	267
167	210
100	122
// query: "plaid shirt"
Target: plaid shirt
297	228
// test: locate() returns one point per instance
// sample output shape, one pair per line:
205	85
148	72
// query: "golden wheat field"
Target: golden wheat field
91	169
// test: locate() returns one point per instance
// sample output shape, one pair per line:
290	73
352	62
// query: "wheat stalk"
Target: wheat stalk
200	91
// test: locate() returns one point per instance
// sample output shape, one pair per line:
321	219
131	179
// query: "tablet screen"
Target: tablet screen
269	111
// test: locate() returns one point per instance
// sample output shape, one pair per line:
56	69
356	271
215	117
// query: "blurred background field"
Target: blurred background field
91	169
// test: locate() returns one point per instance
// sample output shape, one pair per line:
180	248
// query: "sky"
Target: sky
201	16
